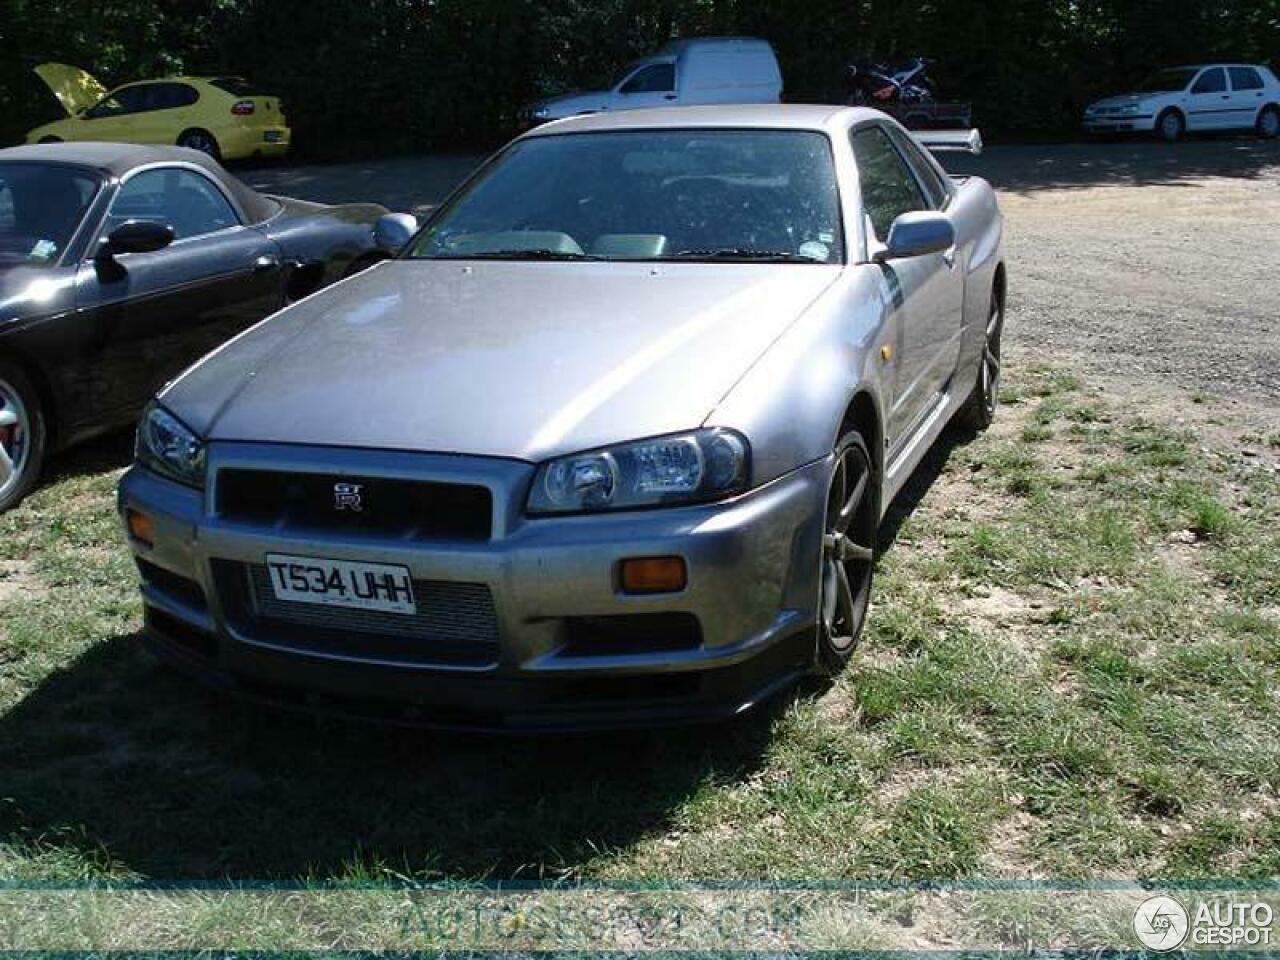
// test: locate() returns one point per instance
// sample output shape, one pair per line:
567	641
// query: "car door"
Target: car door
1209	101
925	293
115	116
164	118
1248	95
156	313
653	85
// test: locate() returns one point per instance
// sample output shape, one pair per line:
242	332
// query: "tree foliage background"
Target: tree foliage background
365	76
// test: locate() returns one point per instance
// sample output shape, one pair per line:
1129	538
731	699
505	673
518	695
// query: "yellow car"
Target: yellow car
221	116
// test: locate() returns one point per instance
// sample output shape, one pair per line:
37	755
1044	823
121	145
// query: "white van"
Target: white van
682	73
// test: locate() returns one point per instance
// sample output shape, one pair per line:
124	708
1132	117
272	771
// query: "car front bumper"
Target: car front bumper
1119	123
566	647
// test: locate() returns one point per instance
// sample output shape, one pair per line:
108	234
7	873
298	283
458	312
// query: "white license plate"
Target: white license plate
342	583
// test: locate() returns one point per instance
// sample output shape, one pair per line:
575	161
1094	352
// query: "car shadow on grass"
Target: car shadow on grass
111	451
129	769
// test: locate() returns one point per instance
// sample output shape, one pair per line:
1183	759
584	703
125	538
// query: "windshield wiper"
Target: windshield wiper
534	254
743	253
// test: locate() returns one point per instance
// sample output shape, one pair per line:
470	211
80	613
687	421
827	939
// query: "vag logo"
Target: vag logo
347	496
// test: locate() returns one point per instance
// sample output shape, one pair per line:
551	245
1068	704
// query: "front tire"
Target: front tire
848	553
22	436
1170	126
1268	125
201	140
50	140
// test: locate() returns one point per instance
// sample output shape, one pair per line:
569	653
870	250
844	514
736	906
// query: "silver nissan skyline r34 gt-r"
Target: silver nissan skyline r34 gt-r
608	444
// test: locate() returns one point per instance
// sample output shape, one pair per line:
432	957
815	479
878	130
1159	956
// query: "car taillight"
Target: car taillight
244	108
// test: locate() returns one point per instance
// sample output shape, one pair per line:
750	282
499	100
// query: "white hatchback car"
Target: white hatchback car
1210	97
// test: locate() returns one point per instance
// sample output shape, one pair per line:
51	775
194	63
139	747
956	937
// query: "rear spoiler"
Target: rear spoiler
953	141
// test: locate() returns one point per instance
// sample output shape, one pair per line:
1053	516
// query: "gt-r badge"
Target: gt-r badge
346	496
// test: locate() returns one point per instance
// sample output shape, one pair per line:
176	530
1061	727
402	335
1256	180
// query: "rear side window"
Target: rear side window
656	78
1245	78
934	187
170	96
1211	81
888	188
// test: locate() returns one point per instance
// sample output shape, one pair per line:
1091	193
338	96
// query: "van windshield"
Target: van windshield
725	195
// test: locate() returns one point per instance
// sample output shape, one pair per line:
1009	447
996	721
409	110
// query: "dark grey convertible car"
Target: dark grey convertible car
120	265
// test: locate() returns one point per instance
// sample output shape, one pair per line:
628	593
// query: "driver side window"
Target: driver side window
183	199
1211	81
888	187
120	103
656	78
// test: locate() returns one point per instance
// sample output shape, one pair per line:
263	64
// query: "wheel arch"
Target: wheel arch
863	415
44	390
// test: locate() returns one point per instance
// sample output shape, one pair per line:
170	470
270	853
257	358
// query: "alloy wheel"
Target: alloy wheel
991	359
15	434
848	550
1270	124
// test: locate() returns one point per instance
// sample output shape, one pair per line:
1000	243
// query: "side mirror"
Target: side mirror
139	236
394	230
917	234
132	236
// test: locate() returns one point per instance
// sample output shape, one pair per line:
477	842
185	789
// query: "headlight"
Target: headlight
166	446
542	113
684	468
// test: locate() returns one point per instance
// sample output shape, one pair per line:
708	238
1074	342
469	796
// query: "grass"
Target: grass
1070	671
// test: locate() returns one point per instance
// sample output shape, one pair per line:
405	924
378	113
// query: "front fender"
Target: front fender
792	402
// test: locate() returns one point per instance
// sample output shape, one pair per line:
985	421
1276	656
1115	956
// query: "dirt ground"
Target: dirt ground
1153	270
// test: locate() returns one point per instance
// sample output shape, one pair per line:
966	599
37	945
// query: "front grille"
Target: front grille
455	623
377	506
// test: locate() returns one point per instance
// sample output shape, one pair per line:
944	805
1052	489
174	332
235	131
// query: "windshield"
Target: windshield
1167	81
649	195
40	207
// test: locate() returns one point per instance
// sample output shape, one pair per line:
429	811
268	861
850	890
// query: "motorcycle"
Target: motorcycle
873	84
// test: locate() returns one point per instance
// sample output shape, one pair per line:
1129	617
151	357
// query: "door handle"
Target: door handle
949	258
265	262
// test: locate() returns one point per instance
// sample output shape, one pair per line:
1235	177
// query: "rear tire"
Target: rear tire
1268	125
849	530
979	409
1170	126
22	436
202	140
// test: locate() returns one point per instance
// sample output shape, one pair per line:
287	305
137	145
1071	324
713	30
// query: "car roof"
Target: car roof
119	159
1202	66
762	116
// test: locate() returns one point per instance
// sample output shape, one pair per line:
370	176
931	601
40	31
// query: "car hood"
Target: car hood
521	360
1122	100
75	89
572	104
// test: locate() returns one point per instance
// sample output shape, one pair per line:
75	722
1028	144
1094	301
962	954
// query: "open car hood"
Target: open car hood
75	89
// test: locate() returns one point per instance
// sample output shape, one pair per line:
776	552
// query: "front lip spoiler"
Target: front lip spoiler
306	701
